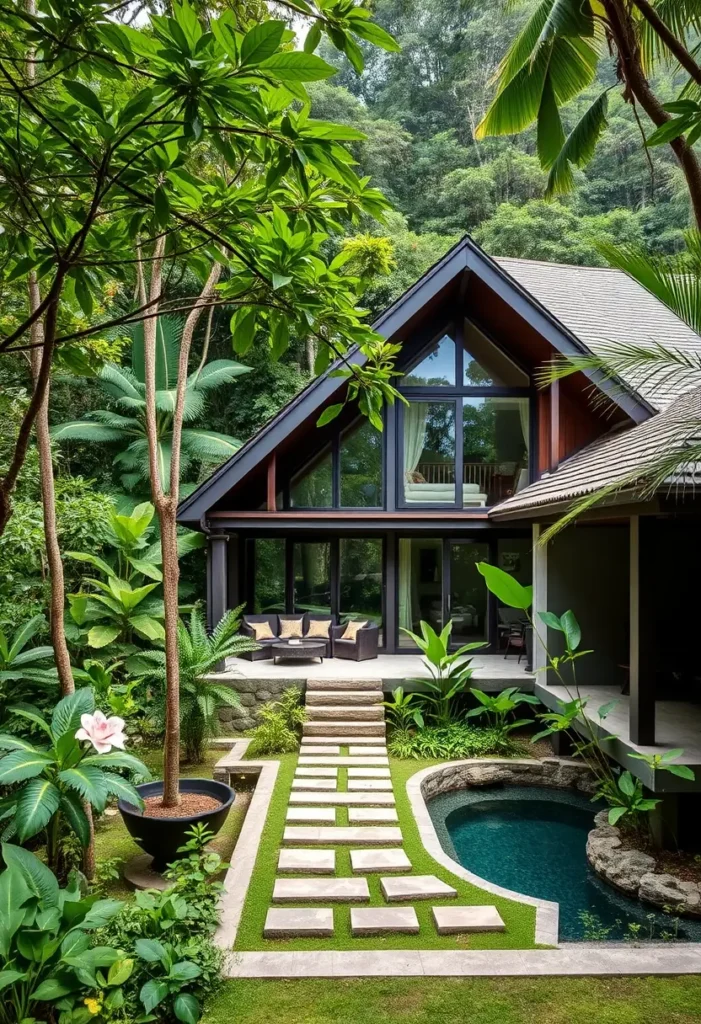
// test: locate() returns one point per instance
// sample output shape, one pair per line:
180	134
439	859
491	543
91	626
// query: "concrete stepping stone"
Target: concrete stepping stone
371	815
343	835
307	862
452	920
318	890
341	762
415	887
354	751
366	785
377	861
344	799
294	922
344	697
345	712
384	921
367	773
314	783
370	741
316	773
344	684
315	748
327	815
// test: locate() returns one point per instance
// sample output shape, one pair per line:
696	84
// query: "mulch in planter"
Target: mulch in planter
190	804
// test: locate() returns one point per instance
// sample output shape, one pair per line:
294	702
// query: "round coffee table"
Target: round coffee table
303	651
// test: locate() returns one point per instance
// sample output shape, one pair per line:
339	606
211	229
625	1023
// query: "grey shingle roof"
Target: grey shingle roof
622	458
602	307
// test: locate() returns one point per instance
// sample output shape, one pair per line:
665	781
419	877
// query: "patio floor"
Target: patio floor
492	671
677	724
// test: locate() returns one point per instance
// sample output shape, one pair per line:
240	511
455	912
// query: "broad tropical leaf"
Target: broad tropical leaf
40	881
37	803
88	782
579	147
72	807
19	765
68	711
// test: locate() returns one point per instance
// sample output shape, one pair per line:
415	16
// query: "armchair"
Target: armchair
363	648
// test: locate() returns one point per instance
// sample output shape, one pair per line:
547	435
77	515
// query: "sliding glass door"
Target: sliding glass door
467	594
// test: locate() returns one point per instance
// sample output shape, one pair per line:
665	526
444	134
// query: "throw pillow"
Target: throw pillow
351	632
290	628
262	630
319	628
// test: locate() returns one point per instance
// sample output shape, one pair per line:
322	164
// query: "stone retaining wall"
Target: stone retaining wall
555	772
633	872
253	693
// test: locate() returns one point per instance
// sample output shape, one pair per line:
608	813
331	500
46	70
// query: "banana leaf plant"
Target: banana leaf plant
499	709
450	671
46	783
25	667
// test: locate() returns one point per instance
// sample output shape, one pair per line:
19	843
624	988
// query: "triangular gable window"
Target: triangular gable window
435	369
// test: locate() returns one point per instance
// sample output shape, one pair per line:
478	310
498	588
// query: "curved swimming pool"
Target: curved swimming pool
533	841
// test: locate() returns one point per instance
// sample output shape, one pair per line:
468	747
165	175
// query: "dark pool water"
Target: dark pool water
533	841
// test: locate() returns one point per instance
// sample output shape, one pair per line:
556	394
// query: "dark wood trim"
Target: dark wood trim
554	425
218	575
643	627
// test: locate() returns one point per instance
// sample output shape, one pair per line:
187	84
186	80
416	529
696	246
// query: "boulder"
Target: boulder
667	891
622	868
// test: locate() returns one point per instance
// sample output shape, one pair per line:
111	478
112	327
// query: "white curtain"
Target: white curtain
523	413
414	435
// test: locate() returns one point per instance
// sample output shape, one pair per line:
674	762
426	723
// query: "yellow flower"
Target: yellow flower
93	1005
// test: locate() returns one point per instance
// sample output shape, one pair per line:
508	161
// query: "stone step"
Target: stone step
367	785
379	749
343	741
453	920
318	773
344	799
346	697
372	815
384	921
342	835
343	684
307	862
378	861
343	713
297	922
324	815
321	748
321	890
342	762
309	784
415	887
344	728
368	773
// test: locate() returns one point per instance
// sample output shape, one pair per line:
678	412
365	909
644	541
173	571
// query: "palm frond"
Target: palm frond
218	372
578	148
682	17
87	430
674	280
120	382
193	405
208	445
169	330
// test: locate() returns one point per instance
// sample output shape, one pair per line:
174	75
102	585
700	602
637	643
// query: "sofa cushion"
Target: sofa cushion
319	628
351	631
291	628
262	630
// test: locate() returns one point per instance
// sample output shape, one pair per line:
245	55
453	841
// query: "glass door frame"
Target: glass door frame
491	603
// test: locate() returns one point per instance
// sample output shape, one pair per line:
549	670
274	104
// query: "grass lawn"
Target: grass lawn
113	840
518	918
456	1000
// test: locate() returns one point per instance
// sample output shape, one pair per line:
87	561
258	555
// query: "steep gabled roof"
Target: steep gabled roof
605	307
619	460
465	256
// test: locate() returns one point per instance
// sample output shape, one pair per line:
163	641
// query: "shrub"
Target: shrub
451	741
280	726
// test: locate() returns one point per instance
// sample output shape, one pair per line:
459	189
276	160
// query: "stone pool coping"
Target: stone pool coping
547	913
574	959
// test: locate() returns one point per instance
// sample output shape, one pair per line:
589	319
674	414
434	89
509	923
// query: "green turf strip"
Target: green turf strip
518	918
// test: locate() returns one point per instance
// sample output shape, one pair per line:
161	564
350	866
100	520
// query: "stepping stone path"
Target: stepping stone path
342	796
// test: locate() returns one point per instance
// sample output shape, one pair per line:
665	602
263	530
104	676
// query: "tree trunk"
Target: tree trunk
171	575
630	67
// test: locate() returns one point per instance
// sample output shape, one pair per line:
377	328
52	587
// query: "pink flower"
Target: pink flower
103	733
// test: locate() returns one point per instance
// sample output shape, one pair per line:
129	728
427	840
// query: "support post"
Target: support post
540	602
217	571
641	711
271	502
554	425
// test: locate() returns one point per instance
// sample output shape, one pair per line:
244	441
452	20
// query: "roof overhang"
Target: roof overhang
465	257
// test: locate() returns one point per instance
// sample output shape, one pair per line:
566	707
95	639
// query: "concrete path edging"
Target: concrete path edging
547	912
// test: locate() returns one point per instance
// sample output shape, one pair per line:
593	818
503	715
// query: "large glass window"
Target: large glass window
515	556
360	579
495	449
312	577
313	488
485	365
420	577
436	369
468	594
429	453
361	466
269	576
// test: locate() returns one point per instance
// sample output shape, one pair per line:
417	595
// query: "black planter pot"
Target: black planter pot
161	837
